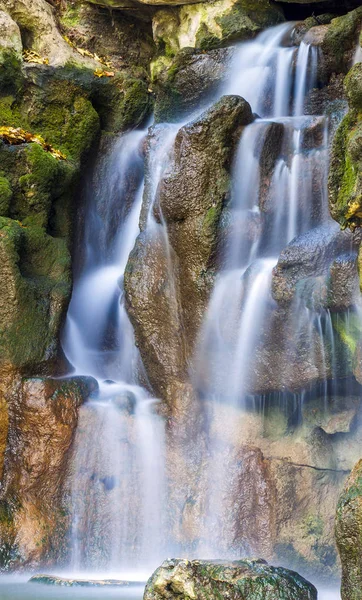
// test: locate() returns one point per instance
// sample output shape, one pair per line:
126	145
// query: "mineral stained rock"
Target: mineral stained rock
241	580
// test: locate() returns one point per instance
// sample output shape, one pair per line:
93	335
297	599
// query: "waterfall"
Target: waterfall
119	490
117	479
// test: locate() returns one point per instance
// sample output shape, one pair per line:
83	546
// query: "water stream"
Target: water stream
118	486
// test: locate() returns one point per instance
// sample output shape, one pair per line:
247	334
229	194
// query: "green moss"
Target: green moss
353	86
345	186
313	525
5	195
11	74
341	37
71	16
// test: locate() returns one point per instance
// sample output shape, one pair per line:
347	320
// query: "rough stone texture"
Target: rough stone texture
248	579
37	22
10	34
313	255
348	534
119	37
198	173
183	83
43	416
345	179
212	24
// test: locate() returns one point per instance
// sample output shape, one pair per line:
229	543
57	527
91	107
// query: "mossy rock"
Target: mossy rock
340	40
345	176
212	24
5	195
353	87
36	285
349	535
212	580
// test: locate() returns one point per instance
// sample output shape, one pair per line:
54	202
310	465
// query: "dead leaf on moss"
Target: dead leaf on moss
15	136
30	56
101	73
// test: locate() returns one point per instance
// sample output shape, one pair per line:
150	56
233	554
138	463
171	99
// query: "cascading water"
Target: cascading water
272	203
278	193
119	447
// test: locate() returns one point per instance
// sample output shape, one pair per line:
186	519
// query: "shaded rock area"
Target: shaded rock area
198	171
248	579
348	534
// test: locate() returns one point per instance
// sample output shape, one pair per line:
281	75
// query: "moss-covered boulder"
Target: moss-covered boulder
345	179
243	580
349	535
212	24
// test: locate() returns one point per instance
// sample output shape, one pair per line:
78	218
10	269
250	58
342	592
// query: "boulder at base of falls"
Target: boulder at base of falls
349	534
237	580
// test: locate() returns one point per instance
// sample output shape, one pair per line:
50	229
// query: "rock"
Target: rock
65	582
43	416
313	254
190	197
348	534
37	20
10	34
187	81
213	24
338	416
345	176
250	579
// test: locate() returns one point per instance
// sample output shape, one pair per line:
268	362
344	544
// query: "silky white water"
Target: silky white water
119	490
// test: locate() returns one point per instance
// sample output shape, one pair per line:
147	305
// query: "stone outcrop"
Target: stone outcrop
198	171
252	579
348	534
42	419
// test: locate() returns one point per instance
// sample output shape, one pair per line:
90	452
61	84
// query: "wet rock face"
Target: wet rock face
318	254
248	579
42	420
182	84
348	534
189	199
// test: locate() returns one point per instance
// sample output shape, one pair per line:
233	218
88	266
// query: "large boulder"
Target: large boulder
349	534
244	579
189	199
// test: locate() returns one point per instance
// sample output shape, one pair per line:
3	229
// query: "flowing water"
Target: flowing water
118	487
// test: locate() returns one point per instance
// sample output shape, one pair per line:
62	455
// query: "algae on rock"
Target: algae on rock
243	579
